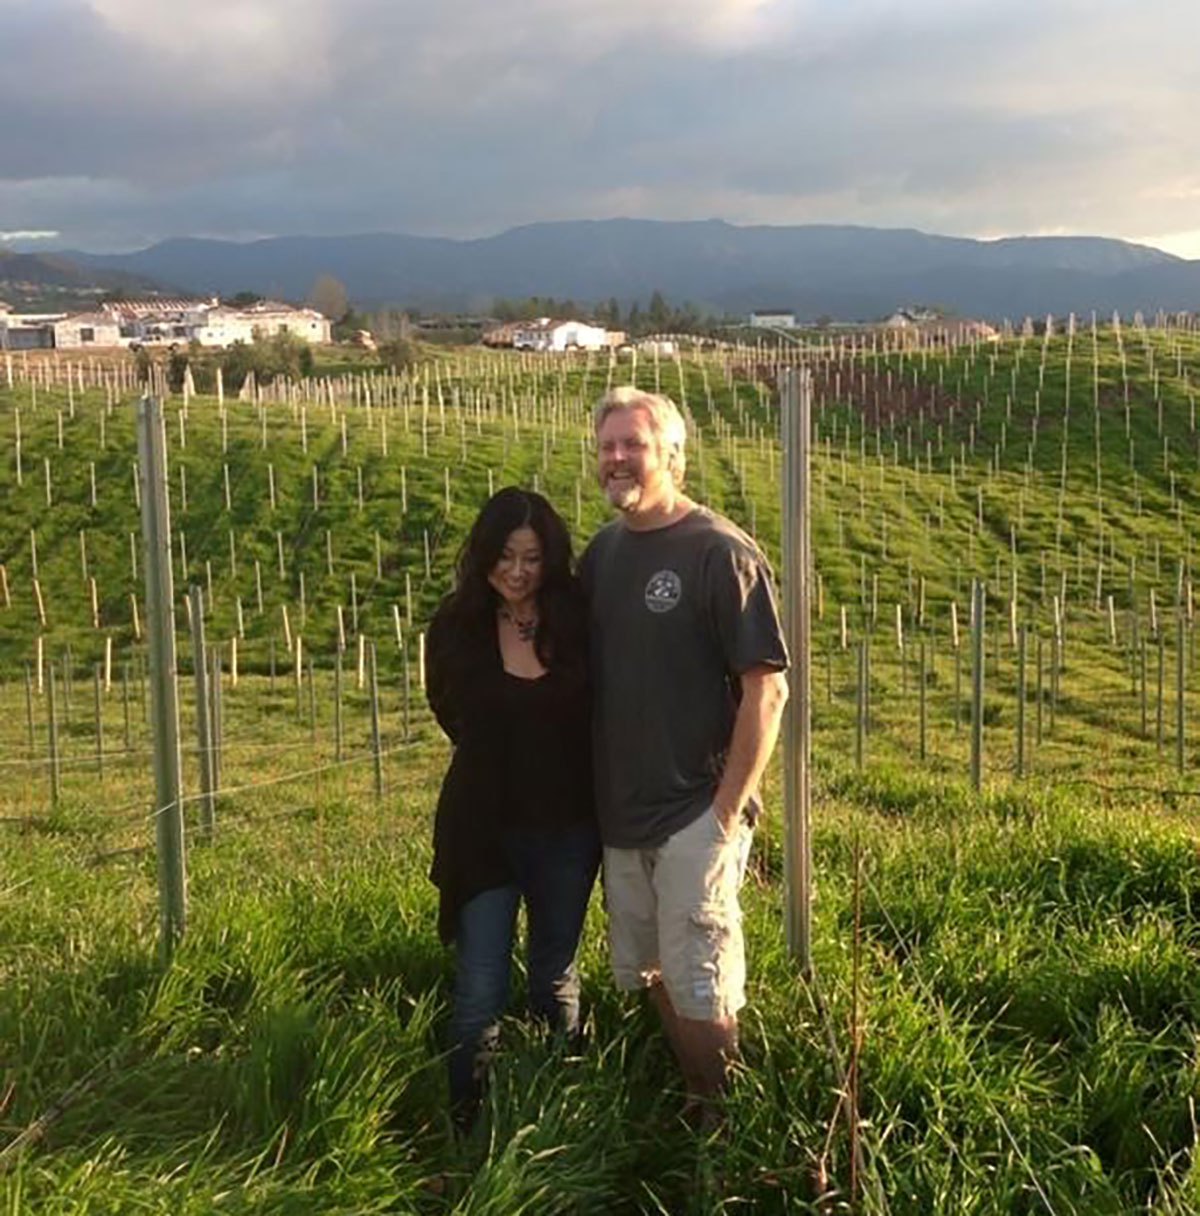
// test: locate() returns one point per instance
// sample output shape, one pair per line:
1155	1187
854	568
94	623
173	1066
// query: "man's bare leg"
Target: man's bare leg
703	1048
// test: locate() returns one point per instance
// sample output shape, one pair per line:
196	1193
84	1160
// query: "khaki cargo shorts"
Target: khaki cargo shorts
673	914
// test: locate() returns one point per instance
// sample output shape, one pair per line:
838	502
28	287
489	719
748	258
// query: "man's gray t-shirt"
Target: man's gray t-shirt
677	614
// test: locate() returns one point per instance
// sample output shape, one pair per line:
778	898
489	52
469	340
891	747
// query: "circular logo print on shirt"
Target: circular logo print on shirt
663	591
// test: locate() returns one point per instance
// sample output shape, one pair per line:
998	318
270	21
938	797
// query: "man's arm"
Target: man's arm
755	729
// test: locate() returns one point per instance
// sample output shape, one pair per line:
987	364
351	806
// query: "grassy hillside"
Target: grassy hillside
1012	972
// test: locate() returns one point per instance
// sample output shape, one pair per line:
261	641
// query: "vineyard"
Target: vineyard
1005	1009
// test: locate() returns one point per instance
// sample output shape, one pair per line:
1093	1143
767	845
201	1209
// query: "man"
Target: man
688	660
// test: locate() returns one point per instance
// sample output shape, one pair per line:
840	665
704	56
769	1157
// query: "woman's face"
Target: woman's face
517	574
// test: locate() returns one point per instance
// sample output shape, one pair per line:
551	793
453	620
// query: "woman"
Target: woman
507	680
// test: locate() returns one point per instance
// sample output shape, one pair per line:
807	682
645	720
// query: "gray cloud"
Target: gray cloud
130	120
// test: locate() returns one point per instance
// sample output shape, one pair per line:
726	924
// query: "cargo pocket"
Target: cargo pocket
710	933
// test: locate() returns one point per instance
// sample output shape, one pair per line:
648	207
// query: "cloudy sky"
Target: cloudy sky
126	121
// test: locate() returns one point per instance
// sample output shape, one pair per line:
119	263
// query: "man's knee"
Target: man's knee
711	1034
631	906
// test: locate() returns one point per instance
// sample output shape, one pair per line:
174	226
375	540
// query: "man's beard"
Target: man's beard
623	495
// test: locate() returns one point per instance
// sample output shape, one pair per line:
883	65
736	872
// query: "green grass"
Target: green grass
1027	969
1027	997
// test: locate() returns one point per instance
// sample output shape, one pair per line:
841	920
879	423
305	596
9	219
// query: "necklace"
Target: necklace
526	629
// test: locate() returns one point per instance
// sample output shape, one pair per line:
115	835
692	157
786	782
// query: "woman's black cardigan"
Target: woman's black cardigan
464	682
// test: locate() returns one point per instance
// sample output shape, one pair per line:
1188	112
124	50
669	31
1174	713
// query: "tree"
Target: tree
236	364
347	326
329	297
243	299
388	324
177	366
287	355
686	319
658	313
398	353
268	356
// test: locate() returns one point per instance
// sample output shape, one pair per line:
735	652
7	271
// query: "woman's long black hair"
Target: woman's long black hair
560	639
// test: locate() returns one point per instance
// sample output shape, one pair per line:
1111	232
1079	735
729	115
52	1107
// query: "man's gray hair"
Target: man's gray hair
665	421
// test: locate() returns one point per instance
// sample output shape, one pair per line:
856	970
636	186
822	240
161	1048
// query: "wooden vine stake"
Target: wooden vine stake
97	682
1021	646
860	704
338	731
921	699
1180	694
200	663
977	660
29	709
298	672
52	724
376	747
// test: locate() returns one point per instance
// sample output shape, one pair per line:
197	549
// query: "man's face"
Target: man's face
634	472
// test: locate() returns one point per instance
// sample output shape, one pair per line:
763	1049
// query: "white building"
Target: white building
223	326
925	325
86	329
27	330
775	318
159	321
548	334
657	344
153	322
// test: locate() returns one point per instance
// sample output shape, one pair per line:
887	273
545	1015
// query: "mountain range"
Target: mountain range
816	270
54	280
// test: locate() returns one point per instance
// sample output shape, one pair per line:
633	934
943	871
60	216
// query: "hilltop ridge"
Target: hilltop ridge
842	271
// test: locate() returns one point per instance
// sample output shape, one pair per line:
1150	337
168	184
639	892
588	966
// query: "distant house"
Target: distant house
656	344
27	330
906	318
548	334
772	318
19	332
223	326
501	335
210	323
269	317
925	325
86	329
158	321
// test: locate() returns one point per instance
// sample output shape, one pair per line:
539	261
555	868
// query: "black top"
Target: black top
522	754
547	726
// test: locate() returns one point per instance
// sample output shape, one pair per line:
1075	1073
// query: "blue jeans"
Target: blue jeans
554	872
